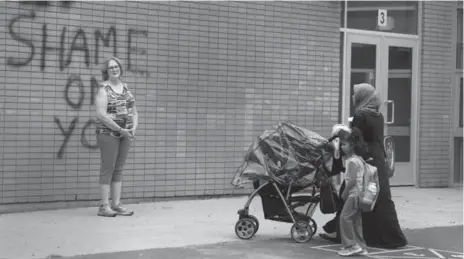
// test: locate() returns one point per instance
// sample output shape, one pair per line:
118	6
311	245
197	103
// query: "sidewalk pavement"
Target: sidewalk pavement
70	232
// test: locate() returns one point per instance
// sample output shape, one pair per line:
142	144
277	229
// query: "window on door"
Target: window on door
362	15
458	140
458	104
400	92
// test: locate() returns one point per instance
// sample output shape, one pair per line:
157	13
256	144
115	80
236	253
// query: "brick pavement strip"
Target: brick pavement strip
71	232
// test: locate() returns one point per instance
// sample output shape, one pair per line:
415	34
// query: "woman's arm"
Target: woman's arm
337	167
351	173
101	105
359	122
136	118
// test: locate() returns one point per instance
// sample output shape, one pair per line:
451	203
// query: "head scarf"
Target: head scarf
366	98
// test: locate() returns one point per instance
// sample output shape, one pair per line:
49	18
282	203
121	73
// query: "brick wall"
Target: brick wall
435	93
208	78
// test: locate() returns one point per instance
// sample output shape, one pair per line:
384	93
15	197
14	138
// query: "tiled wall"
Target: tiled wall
208	77
436	93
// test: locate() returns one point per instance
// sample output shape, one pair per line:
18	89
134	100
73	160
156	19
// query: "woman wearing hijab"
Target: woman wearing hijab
381	227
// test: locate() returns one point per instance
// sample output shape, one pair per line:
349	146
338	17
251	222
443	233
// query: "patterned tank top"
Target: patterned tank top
120	109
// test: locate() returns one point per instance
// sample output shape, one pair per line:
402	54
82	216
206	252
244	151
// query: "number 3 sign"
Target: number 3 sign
382	18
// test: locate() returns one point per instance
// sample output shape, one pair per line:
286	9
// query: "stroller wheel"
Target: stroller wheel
301	232
313	225
255	220
245	228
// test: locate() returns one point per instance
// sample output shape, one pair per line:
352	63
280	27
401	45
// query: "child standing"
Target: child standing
351	232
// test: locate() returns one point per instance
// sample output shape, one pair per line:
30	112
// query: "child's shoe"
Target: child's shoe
354	250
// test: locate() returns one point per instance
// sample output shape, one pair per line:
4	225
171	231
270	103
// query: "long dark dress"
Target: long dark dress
381	227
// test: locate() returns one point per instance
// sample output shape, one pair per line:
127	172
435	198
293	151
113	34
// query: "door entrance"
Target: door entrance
390	65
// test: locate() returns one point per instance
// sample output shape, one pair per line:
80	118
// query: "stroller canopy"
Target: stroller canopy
287	154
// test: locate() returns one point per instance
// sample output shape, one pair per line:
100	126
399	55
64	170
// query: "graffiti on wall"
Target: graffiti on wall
80	43
72	42
46	4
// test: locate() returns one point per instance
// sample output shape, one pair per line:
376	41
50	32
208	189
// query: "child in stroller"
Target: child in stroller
281	164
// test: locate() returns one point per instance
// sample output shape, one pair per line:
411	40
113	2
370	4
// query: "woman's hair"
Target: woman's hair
355	138
104	69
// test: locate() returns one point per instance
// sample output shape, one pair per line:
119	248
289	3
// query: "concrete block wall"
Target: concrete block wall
208	77
437	71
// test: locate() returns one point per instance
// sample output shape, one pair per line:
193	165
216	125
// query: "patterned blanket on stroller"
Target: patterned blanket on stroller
287	154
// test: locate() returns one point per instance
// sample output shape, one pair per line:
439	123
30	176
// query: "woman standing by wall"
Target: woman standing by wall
117	121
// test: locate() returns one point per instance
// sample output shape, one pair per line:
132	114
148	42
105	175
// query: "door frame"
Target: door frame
383	41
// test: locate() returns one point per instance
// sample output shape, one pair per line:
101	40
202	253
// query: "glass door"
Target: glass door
389	65
399	80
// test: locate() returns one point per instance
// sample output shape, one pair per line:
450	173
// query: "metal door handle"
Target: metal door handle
393	111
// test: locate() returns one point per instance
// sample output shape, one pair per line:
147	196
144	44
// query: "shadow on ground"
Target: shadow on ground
429	243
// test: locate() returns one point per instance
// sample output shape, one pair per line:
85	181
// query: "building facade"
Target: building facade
208	77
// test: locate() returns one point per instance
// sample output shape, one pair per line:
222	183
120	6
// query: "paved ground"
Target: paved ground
424	243
202	228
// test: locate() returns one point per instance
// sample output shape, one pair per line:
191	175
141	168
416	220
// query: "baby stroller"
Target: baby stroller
281	163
